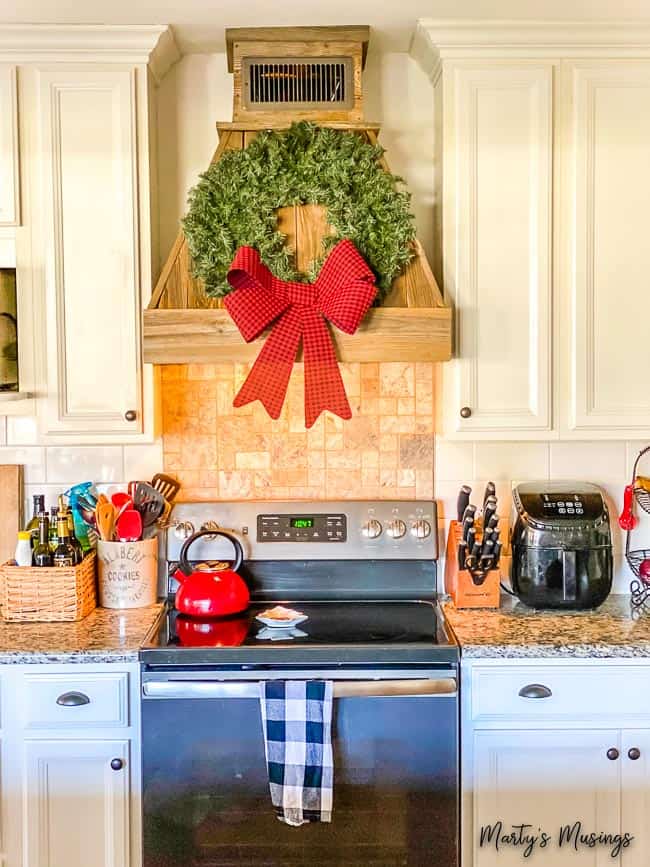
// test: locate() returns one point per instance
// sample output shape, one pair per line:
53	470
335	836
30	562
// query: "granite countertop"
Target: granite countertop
106	635
518	631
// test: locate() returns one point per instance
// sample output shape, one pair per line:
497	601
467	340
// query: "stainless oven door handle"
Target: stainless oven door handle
444	686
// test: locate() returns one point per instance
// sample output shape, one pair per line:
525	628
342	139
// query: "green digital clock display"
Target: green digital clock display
302	523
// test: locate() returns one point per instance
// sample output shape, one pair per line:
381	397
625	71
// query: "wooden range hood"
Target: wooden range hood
182	325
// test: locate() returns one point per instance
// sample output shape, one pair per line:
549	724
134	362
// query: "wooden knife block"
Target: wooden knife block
459	583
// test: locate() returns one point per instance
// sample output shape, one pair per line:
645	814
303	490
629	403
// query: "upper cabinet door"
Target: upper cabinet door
92	279
606	271
497	166
9	189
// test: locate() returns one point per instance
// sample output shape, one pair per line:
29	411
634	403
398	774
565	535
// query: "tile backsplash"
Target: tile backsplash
218	452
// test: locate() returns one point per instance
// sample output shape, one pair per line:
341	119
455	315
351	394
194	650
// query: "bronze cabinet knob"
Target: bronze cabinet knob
612	754
465	412
634	753
130	415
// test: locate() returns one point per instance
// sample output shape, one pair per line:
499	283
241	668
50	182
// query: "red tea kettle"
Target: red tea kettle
229	632
211	593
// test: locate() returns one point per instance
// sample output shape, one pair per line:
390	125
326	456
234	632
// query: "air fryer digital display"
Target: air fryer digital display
562	505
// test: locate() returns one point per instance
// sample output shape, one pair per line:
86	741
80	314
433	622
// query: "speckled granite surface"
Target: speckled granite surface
106	635
517	631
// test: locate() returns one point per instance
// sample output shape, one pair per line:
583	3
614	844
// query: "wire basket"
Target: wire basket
635	558
643	498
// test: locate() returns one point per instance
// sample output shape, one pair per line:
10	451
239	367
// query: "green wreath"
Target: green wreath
234	204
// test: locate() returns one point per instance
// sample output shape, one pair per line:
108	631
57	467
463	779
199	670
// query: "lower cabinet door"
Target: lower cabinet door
635	754
76	796
561	784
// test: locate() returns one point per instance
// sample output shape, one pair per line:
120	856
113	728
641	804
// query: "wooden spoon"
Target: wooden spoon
105	517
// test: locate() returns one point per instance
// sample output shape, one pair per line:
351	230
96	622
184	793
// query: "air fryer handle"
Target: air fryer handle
569	573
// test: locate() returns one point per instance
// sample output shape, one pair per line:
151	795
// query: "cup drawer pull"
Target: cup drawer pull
73	699
535	690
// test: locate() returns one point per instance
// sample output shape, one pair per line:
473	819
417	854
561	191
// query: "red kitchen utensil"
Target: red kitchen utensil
211	593
129	526
120	499
627	520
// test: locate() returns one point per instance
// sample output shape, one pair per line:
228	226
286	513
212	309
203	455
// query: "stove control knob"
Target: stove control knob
420	528
183	530
372	529
396	529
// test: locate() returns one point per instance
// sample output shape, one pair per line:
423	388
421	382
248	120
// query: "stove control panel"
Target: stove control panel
302	528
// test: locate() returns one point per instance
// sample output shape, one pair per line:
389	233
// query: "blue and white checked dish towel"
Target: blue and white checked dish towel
297	720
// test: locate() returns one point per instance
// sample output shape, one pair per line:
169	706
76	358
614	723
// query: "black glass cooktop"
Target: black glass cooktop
338	630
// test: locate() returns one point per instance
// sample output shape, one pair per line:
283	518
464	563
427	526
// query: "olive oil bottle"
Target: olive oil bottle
64	555
42	555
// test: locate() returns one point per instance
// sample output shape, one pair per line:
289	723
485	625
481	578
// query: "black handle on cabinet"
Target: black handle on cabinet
130	415
117	764
612	754
535	690
465	412
634	753
73	699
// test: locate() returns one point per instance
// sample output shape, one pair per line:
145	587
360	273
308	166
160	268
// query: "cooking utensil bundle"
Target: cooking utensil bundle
479	549
135	514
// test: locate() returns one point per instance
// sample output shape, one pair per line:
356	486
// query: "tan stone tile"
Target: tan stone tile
236	484
369	370
370	458
361	432
397	379
388	442
225	397
405	406
289	450
199	452
252	460
346	459
402	424
405	478
343	484
424	371
351	376
424	406
333	441
387	478
316	478
416	451
369	406
316	459
389	460
370	477
424	484
262	482
295	477
197	495
333	424
387	406
425	425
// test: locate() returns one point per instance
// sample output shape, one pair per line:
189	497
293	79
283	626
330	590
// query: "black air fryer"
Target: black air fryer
561	545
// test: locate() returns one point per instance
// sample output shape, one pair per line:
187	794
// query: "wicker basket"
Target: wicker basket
48	594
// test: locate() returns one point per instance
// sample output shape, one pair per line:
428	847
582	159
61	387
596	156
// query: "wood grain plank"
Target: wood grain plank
210	336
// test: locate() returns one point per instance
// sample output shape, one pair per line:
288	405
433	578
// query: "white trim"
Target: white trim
435	40
153	45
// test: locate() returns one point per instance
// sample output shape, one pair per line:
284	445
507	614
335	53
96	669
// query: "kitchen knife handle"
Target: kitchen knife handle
463	501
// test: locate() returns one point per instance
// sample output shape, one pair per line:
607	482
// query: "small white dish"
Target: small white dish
275	623
268	634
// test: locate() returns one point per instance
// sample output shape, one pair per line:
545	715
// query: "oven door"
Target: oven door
206	792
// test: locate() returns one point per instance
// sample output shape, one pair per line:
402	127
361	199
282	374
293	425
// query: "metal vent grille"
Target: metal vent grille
273	83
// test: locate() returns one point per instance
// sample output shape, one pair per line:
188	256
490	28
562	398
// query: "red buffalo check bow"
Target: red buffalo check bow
342	294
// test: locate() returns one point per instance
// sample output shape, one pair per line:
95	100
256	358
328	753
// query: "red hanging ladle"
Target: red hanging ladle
211	593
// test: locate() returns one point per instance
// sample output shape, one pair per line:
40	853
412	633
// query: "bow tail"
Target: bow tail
324	387
269	377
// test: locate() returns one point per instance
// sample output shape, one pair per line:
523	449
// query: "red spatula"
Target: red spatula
129	526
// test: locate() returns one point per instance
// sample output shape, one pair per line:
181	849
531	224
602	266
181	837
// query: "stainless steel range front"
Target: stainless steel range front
365	576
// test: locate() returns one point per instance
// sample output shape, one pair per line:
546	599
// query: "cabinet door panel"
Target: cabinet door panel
502	184
607	267
636	797
9	210
91	271
76	804
547	779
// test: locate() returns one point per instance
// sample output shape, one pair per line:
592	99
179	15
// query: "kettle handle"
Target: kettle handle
239	551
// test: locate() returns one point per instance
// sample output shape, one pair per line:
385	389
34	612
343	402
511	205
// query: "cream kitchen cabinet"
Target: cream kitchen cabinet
543	182
548	743
71	765
76	803
88	159
9	176
606	256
